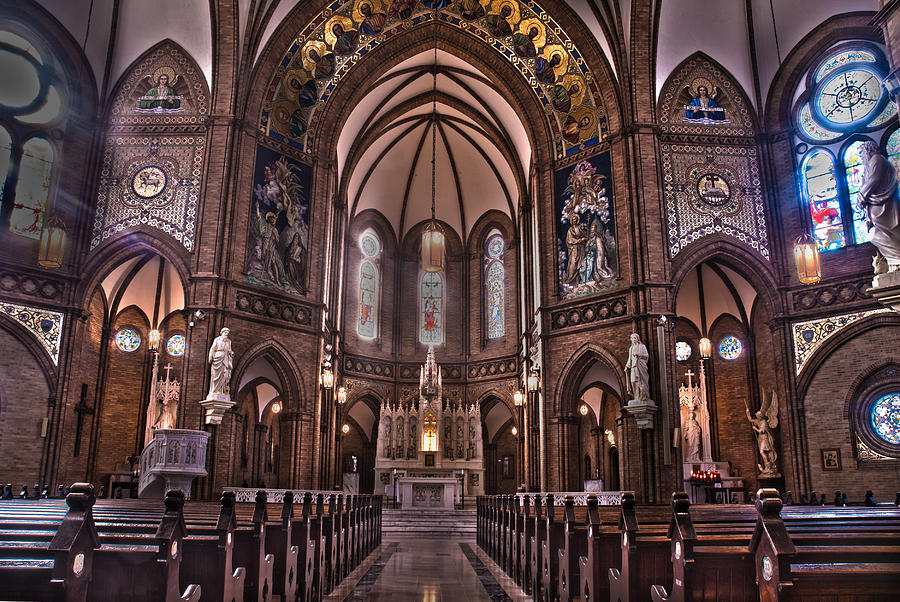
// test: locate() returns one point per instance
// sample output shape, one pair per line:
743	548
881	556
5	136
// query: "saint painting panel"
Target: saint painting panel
279	223
585	228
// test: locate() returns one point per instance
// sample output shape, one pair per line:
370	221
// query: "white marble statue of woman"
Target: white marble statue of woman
638	381
692	438
220	361
878	197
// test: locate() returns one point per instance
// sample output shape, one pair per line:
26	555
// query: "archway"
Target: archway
502	456
358	429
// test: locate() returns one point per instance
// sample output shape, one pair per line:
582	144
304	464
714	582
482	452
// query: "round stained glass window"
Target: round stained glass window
683	351
730	348
848	97
495	247
175	345
369	245
128	340
886	417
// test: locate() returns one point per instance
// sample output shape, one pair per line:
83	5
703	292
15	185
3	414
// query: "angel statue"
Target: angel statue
701	105
765	422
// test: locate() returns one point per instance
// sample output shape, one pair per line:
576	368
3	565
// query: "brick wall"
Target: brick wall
23	406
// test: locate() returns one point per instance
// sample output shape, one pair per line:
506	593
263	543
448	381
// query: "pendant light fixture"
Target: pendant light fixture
433	234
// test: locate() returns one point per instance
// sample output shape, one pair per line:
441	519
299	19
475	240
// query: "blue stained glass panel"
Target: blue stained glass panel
730	348
495	247
854	170
495	278
431	321
128	340
886	417
892	148
824	207
175	345
683	351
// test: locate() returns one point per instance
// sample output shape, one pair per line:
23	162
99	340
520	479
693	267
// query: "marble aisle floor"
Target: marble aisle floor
428	570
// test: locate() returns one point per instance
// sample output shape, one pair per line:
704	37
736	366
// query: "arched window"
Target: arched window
30	104
820	186
841	97
431	321
369	281
494	282
892	149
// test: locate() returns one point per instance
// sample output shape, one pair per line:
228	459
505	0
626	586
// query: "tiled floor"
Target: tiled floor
428	570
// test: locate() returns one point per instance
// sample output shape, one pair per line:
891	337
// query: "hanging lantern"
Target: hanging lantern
327	377
518	398
806	253
53	242
433	247
705	348
534	379
342	395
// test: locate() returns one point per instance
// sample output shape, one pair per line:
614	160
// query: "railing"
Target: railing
604	498
248	494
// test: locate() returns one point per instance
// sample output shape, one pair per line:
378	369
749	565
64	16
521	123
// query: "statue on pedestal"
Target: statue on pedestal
638	381
692	438
763	424
878	197
167	392
220	360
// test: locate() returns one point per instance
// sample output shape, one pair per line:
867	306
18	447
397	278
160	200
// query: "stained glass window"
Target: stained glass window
813	129
128	340
886	417
32	189
431	321
822	195
730	348
892	149
368	300
495	277
842	60
683	351
5	158
849	97
175	345
854	168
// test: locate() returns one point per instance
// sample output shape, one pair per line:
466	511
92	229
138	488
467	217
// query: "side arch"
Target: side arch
280	358
568	385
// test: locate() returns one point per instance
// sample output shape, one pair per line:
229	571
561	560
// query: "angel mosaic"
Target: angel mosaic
530	38
764	423
161	96
702	102
340	35
503	15
369	16
552	64
471	9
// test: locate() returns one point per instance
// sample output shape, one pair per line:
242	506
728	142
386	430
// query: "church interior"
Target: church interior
465	260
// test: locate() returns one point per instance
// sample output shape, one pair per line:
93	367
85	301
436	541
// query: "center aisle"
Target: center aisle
428	569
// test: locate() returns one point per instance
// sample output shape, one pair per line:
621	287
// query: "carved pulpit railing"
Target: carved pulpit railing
172	460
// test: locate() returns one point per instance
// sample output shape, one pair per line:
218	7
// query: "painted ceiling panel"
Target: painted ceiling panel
418	206
260	368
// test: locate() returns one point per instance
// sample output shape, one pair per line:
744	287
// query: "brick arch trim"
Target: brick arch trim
283	362
568	385
29	339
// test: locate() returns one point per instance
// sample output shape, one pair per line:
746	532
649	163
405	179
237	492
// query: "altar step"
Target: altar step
417	523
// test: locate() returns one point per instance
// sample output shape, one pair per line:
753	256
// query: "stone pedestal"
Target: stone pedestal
886	288
642	412
216	405
172	460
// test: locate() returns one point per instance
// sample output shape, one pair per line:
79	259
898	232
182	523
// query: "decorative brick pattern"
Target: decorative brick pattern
34	286
587	313
46	325
809	335
831	294
275	309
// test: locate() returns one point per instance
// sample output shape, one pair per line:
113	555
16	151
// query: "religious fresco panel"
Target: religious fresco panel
587	252
521	31
154	150
278	240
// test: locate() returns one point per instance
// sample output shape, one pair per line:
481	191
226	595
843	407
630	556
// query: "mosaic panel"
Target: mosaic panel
521	31
46	325
809	335
865	453
713	190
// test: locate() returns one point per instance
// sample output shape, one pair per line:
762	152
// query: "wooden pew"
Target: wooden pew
603	553
280	539
550	546
574	546
250	552
644	552
209	554
525	532
851	569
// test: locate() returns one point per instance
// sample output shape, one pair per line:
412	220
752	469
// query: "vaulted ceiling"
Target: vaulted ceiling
385	148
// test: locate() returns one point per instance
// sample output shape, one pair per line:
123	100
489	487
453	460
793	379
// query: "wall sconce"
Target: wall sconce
345	429
153	338
610	437
514	431
327	376
276	407
534	379
583	409
342	395
705	348
518	398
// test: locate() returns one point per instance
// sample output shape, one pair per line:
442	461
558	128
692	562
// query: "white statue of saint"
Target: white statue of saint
220	361
692	438
764	423
638	381
879	199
